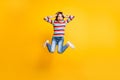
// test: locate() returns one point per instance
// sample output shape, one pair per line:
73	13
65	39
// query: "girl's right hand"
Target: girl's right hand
54	16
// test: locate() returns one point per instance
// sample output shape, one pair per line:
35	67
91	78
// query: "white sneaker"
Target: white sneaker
70	44
47	41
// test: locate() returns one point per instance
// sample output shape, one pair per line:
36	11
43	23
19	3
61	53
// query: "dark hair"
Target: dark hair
58	14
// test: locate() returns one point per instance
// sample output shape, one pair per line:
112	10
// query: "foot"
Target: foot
70	44
45	44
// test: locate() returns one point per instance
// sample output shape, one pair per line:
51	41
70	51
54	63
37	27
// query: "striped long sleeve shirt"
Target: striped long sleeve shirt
59	27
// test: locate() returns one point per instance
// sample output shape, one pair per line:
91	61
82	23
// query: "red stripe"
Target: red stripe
67	21
58	34
47	17
70	18
55	22
58	30
51	21
59	22
59	26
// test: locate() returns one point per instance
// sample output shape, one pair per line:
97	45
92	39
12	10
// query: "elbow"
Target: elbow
73	16
43	18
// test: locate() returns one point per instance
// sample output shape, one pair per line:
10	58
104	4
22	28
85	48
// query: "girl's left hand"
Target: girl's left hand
66	16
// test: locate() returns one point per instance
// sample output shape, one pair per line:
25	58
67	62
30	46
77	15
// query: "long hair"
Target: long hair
58	14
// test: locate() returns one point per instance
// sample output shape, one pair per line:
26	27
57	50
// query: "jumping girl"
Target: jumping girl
58	37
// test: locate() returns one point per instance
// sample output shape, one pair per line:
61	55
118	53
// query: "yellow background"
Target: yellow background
95	32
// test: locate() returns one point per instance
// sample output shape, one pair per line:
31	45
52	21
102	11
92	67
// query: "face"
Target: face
60	18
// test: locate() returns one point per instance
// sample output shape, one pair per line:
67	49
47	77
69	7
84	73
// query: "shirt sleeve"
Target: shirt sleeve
70	18
49	20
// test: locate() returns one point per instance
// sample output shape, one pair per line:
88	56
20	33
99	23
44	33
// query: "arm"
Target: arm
48	19
69	18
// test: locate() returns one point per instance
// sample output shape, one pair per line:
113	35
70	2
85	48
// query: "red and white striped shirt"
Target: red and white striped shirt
59	26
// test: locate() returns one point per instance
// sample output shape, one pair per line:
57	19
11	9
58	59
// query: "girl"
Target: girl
58	37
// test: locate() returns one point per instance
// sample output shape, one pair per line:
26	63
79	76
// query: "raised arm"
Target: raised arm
69	18
48	19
